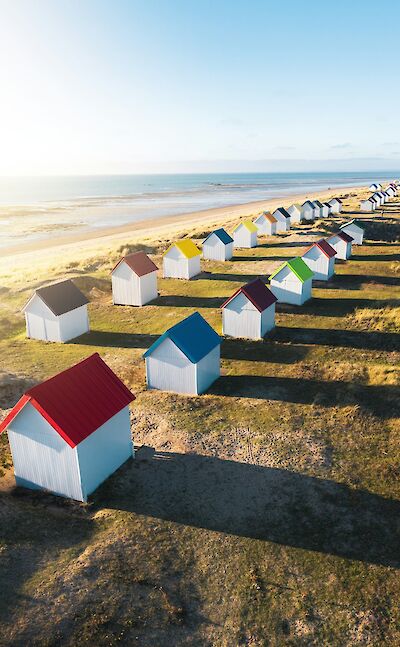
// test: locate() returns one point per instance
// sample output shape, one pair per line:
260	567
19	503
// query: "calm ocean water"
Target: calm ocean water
37	208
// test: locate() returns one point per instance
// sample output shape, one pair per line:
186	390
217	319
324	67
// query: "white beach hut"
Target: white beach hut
245	235
308	210
341	243
134	280
185	359
382	197
376	199
218	246
57	313
391	191
295	213
266	224
324	209
70	433
336	205
292	282
367	205
250	312
181	260
319	209
354	229
320	258
375	187
282	219
328	208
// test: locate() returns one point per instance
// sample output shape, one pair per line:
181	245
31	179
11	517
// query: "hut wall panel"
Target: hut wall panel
208	370
240	318
74	323
42	459
168	369
104	451
148	290
267	320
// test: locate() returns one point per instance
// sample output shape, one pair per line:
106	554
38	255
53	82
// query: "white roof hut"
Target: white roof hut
282	219
336	205
250	312
134	280
245	235
292	282
367	205
181	260
57	313
354	229
185	359
308	210
320	258
295	213
341	243
218	246
266	224
70	433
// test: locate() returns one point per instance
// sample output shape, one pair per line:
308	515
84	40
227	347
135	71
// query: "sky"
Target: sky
128	86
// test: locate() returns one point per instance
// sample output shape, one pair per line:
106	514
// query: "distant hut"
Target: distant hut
382	197
282	219
218	246
185	359
324	209
375	187
295	213
308	210
245	235
57	313
341	243
391	191
71	432
250	312
354	229
328	208
336	205
266	224
320	258
134	280
376	199
292	282
181	260
368	205
319	209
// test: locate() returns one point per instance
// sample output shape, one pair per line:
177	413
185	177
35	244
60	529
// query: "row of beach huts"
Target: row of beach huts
69	433
378	197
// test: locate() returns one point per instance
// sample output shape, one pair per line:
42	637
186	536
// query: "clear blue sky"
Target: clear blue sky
118	86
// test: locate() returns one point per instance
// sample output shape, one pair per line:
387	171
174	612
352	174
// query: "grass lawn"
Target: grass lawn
264	513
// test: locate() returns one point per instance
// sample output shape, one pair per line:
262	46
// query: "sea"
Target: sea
35	208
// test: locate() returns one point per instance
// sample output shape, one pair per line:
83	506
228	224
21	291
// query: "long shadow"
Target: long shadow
181	301
376	257
381	243
355	281
382	401
217	276
235	259
333	307
264	503
262	351
339	338
115	339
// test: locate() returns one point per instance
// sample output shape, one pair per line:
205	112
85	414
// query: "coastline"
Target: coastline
145	227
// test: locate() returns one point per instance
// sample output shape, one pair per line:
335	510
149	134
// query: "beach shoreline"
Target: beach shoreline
148	226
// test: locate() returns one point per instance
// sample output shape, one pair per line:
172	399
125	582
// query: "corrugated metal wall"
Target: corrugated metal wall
125	286
42	459
74	323
168	369
289	289
243	238
104	451
267	320
214	249
319	263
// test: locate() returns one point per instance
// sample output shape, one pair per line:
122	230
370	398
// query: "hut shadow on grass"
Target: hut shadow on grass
355	281
362	340
376	257
252	501
245	259
105	338
182	301
382	401
234	278
335	307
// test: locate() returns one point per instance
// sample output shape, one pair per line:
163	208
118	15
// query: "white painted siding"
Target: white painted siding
104	451
355	232
319	263
295	213
42	459
168	369
264	226
289	289
366	205
42	324
282	222
240	318
208	369
308	212
243	238
177	266
267	320
343	249
132	290
215	249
